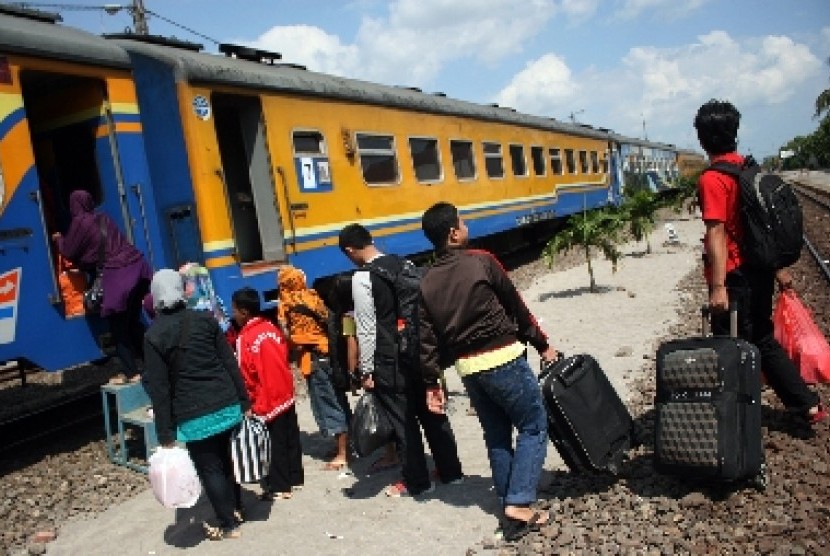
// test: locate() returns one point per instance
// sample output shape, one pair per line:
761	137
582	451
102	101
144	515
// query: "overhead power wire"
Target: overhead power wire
106	7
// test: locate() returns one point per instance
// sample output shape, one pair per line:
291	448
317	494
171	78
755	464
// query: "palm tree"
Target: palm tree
641	210
823	100
597	229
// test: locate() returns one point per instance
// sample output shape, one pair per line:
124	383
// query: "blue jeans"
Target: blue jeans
506	397
329	405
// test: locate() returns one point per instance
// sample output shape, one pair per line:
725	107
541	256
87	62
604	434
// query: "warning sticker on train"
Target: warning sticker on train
9	294
201	107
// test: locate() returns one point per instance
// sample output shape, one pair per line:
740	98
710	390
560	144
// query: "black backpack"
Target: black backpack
333	327
773	224
405	280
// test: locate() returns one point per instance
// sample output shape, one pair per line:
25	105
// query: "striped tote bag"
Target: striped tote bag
250	450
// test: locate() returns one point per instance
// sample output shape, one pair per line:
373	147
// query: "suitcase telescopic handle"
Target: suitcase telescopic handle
706	313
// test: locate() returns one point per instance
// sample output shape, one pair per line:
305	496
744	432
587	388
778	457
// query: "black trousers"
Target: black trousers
128	331
212	459
286	468
408	413
753	290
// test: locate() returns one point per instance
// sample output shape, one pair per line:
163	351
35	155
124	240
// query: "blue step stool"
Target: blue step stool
131	403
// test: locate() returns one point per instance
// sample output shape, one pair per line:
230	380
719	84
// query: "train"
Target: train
242	163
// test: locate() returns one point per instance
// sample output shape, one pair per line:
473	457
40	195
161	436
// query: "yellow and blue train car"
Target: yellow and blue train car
257	164
69	119
244	166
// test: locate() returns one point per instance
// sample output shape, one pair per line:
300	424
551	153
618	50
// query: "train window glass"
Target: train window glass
377	158
604	163
555	161
583	162
594	162
425	159
517	160
308	143
537	156
570	161
493	161
462	159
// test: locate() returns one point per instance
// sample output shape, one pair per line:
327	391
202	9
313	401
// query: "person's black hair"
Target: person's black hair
247	299
355	236
342	300
717	124
437	222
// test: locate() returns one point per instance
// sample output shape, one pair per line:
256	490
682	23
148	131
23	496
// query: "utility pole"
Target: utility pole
573	115
140	18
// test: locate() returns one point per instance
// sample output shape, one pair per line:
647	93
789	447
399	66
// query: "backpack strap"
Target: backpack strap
725	168
184	336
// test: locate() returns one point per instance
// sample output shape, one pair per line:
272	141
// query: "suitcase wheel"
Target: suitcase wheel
759	481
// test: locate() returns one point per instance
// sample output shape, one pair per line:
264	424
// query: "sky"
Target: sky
639	67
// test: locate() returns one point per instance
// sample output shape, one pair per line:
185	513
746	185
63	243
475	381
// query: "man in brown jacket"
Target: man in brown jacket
472	317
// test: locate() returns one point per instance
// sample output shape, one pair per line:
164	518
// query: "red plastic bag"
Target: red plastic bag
801	338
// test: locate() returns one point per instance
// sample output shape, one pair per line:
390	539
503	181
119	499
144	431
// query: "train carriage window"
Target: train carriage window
462	159
517	160
377	158
604	163
583	162
308	143
537	156
493	160
425	159
594	162
555	161
570	161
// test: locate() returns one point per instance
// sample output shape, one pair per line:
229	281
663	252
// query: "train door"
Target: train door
249	185
73	146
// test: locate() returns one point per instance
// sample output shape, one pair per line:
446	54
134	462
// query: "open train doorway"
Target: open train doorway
252	202
63	112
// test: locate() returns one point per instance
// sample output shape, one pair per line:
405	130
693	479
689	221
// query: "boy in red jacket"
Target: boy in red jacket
262	352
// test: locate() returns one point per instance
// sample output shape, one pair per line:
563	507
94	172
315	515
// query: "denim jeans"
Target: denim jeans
506	397
329	405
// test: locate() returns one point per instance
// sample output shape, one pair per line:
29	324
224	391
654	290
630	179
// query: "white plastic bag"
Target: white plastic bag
173	478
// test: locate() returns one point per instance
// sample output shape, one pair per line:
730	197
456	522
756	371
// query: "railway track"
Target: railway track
816	216
42	424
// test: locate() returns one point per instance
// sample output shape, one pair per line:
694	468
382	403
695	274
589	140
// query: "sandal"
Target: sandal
335	465
271	496
515	529
217	533
238	517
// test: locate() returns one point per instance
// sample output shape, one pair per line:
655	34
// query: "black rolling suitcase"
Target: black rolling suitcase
708	408
587	422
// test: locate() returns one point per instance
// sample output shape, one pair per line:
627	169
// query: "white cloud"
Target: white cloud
665	86
416	39
544	84
312	47
668	9
580	10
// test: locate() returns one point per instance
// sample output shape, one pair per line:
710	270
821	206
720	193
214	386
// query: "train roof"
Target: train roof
196	67
28	35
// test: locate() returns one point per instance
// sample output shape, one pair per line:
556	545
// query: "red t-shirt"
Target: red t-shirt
719	198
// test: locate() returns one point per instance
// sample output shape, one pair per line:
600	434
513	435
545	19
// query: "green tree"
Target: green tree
640	209
823	100
596	229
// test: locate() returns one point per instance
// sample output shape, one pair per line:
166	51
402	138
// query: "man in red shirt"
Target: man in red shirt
262	352
729	279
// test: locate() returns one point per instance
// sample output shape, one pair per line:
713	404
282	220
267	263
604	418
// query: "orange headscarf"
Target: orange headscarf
304	332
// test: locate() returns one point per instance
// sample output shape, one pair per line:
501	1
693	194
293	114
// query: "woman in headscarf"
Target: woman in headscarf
304	317
197	394
125	275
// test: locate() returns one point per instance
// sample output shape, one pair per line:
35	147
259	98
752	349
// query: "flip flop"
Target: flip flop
515	529
334	465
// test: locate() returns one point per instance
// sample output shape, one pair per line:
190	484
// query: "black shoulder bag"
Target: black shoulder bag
94	296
